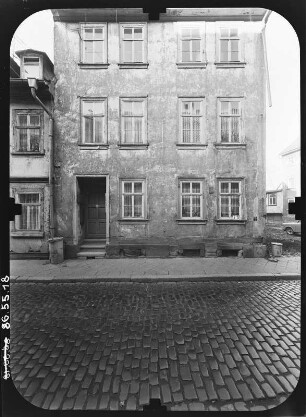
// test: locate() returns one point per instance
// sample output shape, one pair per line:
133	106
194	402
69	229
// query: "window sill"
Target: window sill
27	233
191	221
133	220
128	65
28	153
133	146
230	145
89	146
230	221
191	145
230	64
191	64
93	66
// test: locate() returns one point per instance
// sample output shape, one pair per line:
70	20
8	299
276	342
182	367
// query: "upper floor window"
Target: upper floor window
191	46
191	199
229	44
191	120
272	199
94	121
31	67
94	43
230	200
133	43
28	130
230	120
30	219
133	121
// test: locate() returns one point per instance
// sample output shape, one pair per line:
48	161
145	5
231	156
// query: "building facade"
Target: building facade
291	163
159	131
30	154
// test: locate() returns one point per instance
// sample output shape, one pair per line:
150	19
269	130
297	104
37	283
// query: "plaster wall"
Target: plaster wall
162	164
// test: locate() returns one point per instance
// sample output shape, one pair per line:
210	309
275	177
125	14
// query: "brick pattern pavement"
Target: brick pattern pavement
195	346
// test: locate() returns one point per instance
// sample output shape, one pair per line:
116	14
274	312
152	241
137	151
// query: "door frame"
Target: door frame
76	220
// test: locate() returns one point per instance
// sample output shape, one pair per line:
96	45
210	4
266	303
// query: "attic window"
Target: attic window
31	67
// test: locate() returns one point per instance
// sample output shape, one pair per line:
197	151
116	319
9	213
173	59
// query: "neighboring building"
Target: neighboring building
159	130
30	154
277	204
291	163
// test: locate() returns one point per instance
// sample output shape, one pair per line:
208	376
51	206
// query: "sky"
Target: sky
283	118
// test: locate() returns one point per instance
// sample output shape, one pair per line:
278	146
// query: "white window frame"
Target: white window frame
200	100
93	26
190	194
133	194
229	194
144	42
272	199
102	100
143	100
229	39
24	65
230	116
39	192
190	39
28	127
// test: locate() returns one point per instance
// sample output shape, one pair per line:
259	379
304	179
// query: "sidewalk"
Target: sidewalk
156	269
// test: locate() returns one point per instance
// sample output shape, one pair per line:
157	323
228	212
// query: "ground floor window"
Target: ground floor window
133	199
191	199
230	199
30	219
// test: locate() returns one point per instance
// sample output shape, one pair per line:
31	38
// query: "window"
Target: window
230	200
133	121
190	41
191	199
230	120
30	219
229	44
31	67
133	199
94	121
94	44
272	198
28	128
133	43
191	120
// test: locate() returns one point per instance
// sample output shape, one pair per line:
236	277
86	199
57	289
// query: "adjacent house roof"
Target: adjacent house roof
293	147
14	69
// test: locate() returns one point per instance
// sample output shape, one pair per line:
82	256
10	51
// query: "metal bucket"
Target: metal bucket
277	249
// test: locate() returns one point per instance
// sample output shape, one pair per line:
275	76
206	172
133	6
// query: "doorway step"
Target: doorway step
92	248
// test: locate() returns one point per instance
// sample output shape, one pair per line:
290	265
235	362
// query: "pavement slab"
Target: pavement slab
194	345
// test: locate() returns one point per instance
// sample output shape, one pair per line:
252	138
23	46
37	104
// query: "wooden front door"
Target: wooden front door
95	214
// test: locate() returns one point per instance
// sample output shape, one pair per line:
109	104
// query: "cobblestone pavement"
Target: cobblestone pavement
196	346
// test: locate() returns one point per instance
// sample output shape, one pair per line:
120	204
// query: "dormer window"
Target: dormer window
31	67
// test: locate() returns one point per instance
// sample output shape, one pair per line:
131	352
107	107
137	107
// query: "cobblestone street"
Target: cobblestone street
194	345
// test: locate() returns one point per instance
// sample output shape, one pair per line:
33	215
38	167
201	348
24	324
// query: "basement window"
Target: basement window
229	252
191	252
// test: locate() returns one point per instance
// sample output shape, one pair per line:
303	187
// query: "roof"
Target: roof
274	191
293	147
14	69
31	51
172	14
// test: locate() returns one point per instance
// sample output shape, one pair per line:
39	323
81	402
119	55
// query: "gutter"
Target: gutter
265	19
51	150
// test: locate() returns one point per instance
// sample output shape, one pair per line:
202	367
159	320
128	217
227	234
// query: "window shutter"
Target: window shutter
217	43
179	44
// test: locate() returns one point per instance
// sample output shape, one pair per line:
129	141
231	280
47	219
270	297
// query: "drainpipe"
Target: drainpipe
33	86
265	19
